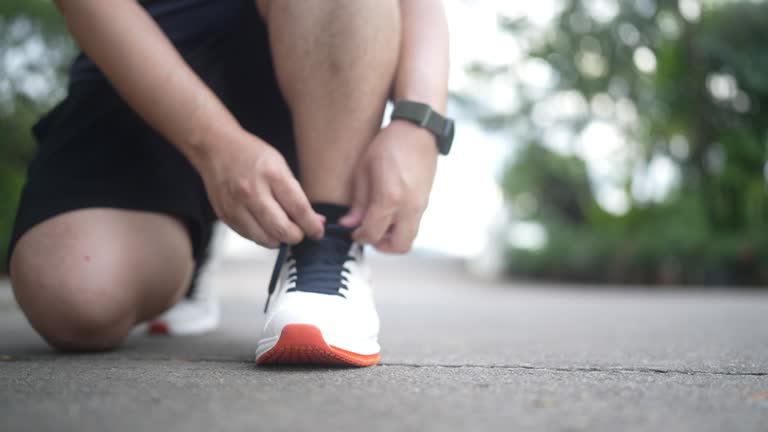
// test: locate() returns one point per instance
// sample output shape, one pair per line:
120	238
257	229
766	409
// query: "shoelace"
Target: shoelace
316	265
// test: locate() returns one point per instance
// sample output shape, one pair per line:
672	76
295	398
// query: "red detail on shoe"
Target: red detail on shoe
158	328
303	344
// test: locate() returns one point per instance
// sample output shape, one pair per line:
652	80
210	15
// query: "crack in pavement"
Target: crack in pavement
518	367
619	369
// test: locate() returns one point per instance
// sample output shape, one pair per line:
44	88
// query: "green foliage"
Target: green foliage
703	106
34	53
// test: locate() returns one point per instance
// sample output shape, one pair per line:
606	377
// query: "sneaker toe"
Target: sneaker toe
352	329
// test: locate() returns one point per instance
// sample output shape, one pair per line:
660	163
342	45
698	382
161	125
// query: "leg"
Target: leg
335	62
85	277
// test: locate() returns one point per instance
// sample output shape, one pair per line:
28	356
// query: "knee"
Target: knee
84	329
75	310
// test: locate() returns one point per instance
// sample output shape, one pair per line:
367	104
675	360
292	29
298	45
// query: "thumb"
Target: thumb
359	203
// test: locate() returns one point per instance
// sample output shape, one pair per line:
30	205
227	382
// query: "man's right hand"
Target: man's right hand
253	190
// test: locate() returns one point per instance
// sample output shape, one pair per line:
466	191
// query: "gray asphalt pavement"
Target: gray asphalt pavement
458	354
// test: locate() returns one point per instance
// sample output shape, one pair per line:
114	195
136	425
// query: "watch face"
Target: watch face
446	138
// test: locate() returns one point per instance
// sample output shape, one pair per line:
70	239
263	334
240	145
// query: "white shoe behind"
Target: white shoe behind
199	313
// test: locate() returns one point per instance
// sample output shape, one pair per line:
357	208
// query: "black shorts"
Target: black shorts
94	151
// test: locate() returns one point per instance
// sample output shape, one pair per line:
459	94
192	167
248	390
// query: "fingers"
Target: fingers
375	209
295	204
372	211
400	239
274	220
258	196
378	219
245	224
266	223
254	213
356	213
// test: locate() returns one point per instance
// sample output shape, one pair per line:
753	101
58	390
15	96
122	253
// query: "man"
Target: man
188	110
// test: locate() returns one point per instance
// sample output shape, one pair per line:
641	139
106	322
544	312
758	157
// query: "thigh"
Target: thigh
103	264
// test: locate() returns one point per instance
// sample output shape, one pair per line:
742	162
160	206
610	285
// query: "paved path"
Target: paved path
459	355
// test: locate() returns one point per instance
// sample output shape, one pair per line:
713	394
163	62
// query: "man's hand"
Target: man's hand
391	187
253	190
394	176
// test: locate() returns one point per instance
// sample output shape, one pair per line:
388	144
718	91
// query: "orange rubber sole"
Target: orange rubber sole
303	344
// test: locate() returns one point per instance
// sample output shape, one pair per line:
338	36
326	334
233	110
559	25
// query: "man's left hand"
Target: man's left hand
391	187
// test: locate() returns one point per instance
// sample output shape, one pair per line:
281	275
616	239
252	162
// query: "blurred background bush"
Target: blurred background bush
637	130
35	52
644	134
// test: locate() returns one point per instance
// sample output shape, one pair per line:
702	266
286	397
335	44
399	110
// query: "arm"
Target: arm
240	171
141	63
399	166
422	73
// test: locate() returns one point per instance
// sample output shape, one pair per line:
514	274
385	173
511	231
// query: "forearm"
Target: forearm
149	73
422	73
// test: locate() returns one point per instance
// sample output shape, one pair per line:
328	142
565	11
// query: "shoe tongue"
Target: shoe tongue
337	231
319	264
337	241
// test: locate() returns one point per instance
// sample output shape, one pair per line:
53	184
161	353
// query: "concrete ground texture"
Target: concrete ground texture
459	354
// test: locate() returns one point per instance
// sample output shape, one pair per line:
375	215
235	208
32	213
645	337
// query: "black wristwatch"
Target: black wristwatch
423	115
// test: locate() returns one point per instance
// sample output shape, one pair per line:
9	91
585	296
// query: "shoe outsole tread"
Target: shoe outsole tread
303	344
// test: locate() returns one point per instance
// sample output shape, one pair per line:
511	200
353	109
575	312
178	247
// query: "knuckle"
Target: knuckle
415	206
296	207
242	188
271	172
392	195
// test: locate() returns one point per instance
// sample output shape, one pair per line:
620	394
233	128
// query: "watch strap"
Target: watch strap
424	116
419	113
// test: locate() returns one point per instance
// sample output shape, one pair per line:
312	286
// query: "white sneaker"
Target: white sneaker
198	312
322	310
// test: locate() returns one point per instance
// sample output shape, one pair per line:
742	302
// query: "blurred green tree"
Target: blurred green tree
34	53
684	88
